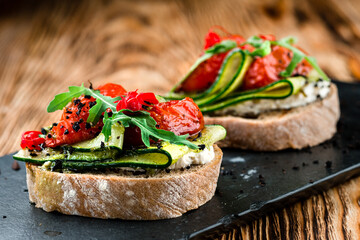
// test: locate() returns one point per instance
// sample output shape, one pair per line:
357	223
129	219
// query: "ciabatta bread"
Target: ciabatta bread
125	196
296	128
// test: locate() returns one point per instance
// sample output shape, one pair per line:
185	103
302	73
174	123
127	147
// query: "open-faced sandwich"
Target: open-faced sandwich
268	94
118	154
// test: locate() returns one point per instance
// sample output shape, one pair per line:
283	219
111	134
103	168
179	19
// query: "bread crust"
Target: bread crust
296	128
162	196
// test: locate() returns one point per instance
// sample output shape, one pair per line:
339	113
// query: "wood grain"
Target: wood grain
48	45
332	215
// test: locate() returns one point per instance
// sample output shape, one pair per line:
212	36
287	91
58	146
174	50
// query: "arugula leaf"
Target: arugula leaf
298	56
263	50
147	124
221	47
62	99
102	103
255	41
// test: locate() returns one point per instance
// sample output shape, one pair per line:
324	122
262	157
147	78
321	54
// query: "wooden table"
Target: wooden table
47	46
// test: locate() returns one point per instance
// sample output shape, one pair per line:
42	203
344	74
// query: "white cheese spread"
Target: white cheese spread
309	93
202	157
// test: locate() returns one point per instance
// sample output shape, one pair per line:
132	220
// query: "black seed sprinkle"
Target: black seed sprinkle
328	164
81	120
110	114
66	131
67	117
167	170
54	124
87	96
91	104
87	125
43	131
69	112
91	86
61	127
76	126
158	145
33	154
157	125
49	135
295	168
201	146
78	111
187	167
76	101
48	154
102	144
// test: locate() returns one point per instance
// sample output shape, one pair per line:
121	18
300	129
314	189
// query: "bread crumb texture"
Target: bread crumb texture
114	195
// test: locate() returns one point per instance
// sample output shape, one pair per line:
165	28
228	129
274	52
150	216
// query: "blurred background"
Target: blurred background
47	46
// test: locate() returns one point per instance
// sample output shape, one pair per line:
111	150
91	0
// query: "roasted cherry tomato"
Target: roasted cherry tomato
204	75
178	116
213	38
112	90
136	101
266	70
31	140
72	127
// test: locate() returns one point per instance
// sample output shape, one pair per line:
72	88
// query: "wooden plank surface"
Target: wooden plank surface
48	45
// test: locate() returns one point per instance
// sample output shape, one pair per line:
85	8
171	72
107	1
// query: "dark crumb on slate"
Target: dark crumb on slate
262	180
241	191
15	165
345	151
52	233
295	168
226	172
311	181
328	164
4	216
305	164
25	190
218	192
316	162
283	171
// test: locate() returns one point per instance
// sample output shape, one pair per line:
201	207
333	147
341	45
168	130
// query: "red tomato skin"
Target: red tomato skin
178	116
31	140
112	90
72	127
204	75
266	70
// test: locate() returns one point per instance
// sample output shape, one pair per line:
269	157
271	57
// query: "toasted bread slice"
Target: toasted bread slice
125	196
296	128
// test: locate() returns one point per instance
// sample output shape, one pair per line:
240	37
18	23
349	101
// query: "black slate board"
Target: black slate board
241	195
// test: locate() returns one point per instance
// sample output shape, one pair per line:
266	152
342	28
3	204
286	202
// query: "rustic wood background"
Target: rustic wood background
48	45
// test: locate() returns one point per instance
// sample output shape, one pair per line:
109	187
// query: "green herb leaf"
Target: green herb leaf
62	99
102	103
255	41
298	56
221	47
147	124
263	50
